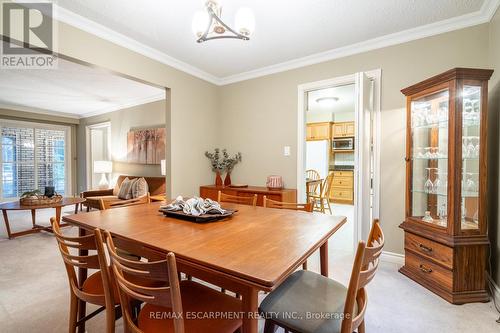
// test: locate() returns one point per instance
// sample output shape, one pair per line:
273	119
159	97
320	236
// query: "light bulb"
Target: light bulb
244	21
200	23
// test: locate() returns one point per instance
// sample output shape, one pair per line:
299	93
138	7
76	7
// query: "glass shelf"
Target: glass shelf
444	158
444	124
465	194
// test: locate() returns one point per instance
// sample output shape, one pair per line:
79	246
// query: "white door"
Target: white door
364	158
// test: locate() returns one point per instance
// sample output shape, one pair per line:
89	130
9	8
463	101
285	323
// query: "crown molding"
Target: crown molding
135	102
132	103
82	23
484	15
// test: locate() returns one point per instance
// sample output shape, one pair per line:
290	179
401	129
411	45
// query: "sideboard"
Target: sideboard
283	195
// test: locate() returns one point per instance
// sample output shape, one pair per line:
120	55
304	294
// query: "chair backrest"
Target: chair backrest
96	260
252	201
312	174
363	271
327	185
307	207
165	271
156	185
106	204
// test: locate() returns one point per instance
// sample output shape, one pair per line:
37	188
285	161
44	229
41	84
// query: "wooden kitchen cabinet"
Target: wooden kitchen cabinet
343	129
318	131
342	190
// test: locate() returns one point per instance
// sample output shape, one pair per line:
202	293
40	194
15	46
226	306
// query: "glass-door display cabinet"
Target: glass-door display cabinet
446	243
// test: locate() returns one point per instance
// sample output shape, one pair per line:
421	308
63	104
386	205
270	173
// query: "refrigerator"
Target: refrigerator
318	156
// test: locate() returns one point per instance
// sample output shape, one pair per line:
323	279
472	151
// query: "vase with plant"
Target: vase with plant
217	165
229	164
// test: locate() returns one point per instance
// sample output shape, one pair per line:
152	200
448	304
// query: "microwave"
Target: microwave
343	144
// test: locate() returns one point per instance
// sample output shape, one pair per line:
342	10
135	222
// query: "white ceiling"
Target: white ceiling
289	33
72	90
345	103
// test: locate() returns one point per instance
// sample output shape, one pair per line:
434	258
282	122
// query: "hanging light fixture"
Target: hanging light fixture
208	24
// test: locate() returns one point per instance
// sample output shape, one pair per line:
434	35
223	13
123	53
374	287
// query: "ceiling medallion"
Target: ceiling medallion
208	24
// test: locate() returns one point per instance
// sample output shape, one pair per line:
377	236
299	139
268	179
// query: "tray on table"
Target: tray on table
198	219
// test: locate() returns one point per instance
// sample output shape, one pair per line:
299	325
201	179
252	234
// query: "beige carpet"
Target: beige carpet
34	291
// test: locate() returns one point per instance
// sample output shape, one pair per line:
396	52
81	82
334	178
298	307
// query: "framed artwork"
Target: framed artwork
146	146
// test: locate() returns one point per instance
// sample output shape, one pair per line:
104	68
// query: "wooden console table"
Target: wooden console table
283	195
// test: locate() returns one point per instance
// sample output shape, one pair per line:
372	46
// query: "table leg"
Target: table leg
323	253
250	300
82	276
58	214
6	221
76	208
33	217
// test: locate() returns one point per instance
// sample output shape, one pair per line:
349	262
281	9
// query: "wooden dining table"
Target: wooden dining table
255	249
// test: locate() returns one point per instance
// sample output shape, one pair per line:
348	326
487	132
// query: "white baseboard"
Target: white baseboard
495	290
395	258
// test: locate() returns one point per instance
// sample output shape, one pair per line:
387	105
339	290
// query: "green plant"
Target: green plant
230	162
215	160
34	193
222	163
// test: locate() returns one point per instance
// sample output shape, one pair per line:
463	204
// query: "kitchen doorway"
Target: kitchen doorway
338	138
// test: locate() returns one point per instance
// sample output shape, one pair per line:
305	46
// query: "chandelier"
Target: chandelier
208	24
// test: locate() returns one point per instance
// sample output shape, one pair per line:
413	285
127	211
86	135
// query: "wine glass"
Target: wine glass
428	186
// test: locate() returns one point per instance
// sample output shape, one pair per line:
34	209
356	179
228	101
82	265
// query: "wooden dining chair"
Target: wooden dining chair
312	174
322	200
106	204
165	307
307	292
251	201
97	289
307	207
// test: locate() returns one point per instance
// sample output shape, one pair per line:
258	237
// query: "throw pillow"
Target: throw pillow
139	188
125	187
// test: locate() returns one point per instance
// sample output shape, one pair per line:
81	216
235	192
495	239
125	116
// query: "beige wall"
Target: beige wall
193	104
259	116
150	115
493	142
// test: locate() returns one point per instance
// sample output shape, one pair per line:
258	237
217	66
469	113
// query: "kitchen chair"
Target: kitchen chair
97	289
252	201
312	174
307	207
305	291
165	307
322	200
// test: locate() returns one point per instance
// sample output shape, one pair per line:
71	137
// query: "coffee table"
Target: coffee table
16	205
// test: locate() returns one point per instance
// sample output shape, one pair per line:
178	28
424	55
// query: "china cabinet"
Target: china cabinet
446	242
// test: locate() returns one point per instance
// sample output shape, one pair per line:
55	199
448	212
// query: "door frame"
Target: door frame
88	164
375	76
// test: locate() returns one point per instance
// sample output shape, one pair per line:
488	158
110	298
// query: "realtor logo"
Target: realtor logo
28	30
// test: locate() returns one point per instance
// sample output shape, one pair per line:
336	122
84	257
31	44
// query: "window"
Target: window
33	156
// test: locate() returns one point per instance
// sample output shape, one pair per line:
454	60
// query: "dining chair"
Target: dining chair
165	308
322	200
106	204
222	197
312	188
312	174
307	207
97	289
308	292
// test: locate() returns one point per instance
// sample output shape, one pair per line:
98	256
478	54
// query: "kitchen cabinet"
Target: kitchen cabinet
318	131
343	129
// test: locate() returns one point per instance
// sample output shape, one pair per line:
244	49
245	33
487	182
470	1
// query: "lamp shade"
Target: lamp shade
163	166
103	166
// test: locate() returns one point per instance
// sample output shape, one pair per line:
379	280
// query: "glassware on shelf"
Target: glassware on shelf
428	186
427	217
475	218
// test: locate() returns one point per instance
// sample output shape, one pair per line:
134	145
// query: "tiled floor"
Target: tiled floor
34	291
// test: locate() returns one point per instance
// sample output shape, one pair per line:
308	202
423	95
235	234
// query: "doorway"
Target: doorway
340	119
98	148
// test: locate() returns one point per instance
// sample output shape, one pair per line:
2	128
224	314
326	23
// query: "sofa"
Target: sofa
156	186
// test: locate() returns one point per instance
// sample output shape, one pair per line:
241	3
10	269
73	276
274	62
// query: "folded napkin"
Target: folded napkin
195	206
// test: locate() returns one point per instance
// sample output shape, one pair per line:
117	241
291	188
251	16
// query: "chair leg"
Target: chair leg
110	319
304	265
270	327
361	328
329	207
73	313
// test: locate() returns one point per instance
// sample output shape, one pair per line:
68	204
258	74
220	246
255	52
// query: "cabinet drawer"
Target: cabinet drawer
341	194
343	174
346	182
429	271
429	249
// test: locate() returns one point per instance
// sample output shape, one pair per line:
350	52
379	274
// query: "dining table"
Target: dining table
253	250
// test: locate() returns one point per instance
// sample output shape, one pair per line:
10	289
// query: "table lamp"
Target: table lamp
103	167
163	167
